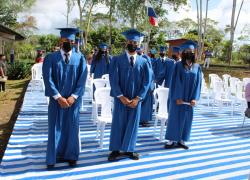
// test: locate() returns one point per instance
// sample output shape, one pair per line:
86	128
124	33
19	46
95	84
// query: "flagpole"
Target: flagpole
148	29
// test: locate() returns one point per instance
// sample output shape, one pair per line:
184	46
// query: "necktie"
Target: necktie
66	58
132	61
162	60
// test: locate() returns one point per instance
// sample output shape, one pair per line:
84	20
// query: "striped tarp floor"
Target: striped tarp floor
219	149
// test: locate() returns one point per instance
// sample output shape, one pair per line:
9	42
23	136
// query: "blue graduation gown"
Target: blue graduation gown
63	124
147	103
130	82
161	68
100	67
154	63
185	85
169	66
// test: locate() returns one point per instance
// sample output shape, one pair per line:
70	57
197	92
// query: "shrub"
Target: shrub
18	70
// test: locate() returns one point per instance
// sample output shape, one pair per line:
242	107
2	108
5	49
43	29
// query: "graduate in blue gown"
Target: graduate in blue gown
100	62
64	74
176	54
185	88
152	55
163	69
169	67
147	103
130	81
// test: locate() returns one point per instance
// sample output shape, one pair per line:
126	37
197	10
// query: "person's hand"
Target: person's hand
125	100
193	103
179	101
63	102
134	102
71	100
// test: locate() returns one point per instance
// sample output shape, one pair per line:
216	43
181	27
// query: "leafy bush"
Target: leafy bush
18	70
245	54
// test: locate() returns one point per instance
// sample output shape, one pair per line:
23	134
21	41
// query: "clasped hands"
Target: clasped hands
180	101
130	103
66	103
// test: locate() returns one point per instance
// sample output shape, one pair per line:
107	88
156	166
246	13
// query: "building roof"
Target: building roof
173	40
4	29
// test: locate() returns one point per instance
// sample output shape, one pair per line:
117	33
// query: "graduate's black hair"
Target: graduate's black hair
98	56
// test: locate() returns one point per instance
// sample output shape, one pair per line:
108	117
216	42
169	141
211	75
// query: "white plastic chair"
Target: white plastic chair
212	78
233	81
239	96
106	77
226	78
205	92
99	83
221	97
103	100
37	77
162	114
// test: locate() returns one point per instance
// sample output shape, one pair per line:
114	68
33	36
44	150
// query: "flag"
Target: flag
152	17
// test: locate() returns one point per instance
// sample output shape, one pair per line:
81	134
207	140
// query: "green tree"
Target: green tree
186	25
10	9
48	42
245	53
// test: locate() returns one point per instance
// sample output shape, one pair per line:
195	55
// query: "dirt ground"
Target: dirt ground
10	104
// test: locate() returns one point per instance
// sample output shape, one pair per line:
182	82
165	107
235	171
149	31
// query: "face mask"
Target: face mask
131	48
162	54
104	52
66	46
190	56
174	57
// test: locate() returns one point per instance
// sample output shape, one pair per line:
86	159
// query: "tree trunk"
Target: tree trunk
198	25
88	23
80	13
200	34
110	21
230	49
205	27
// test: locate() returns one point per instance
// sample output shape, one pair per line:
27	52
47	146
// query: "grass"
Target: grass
10	104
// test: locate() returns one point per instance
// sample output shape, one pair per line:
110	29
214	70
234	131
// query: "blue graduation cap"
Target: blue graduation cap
189	45
163	48
133	35
176	49
138	49
153	51
69	33
103	46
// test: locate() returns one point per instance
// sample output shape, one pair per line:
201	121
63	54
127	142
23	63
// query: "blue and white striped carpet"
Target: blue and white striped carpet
220	149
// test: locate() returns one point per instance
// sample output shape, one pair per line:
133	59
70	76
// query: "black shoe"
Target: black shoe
60	160
50	166
132	155
72	163
169	146
145	124
113	155
181	145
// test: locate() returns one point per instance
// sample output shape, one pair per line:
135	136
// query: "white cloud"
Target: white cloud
219	11
49	14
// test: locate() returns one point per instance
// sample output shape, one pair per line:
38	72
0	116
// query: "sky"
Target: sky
51	14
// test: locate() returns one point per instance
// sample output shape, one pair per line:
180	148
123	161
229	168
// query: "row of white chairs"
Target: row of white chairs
226	90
